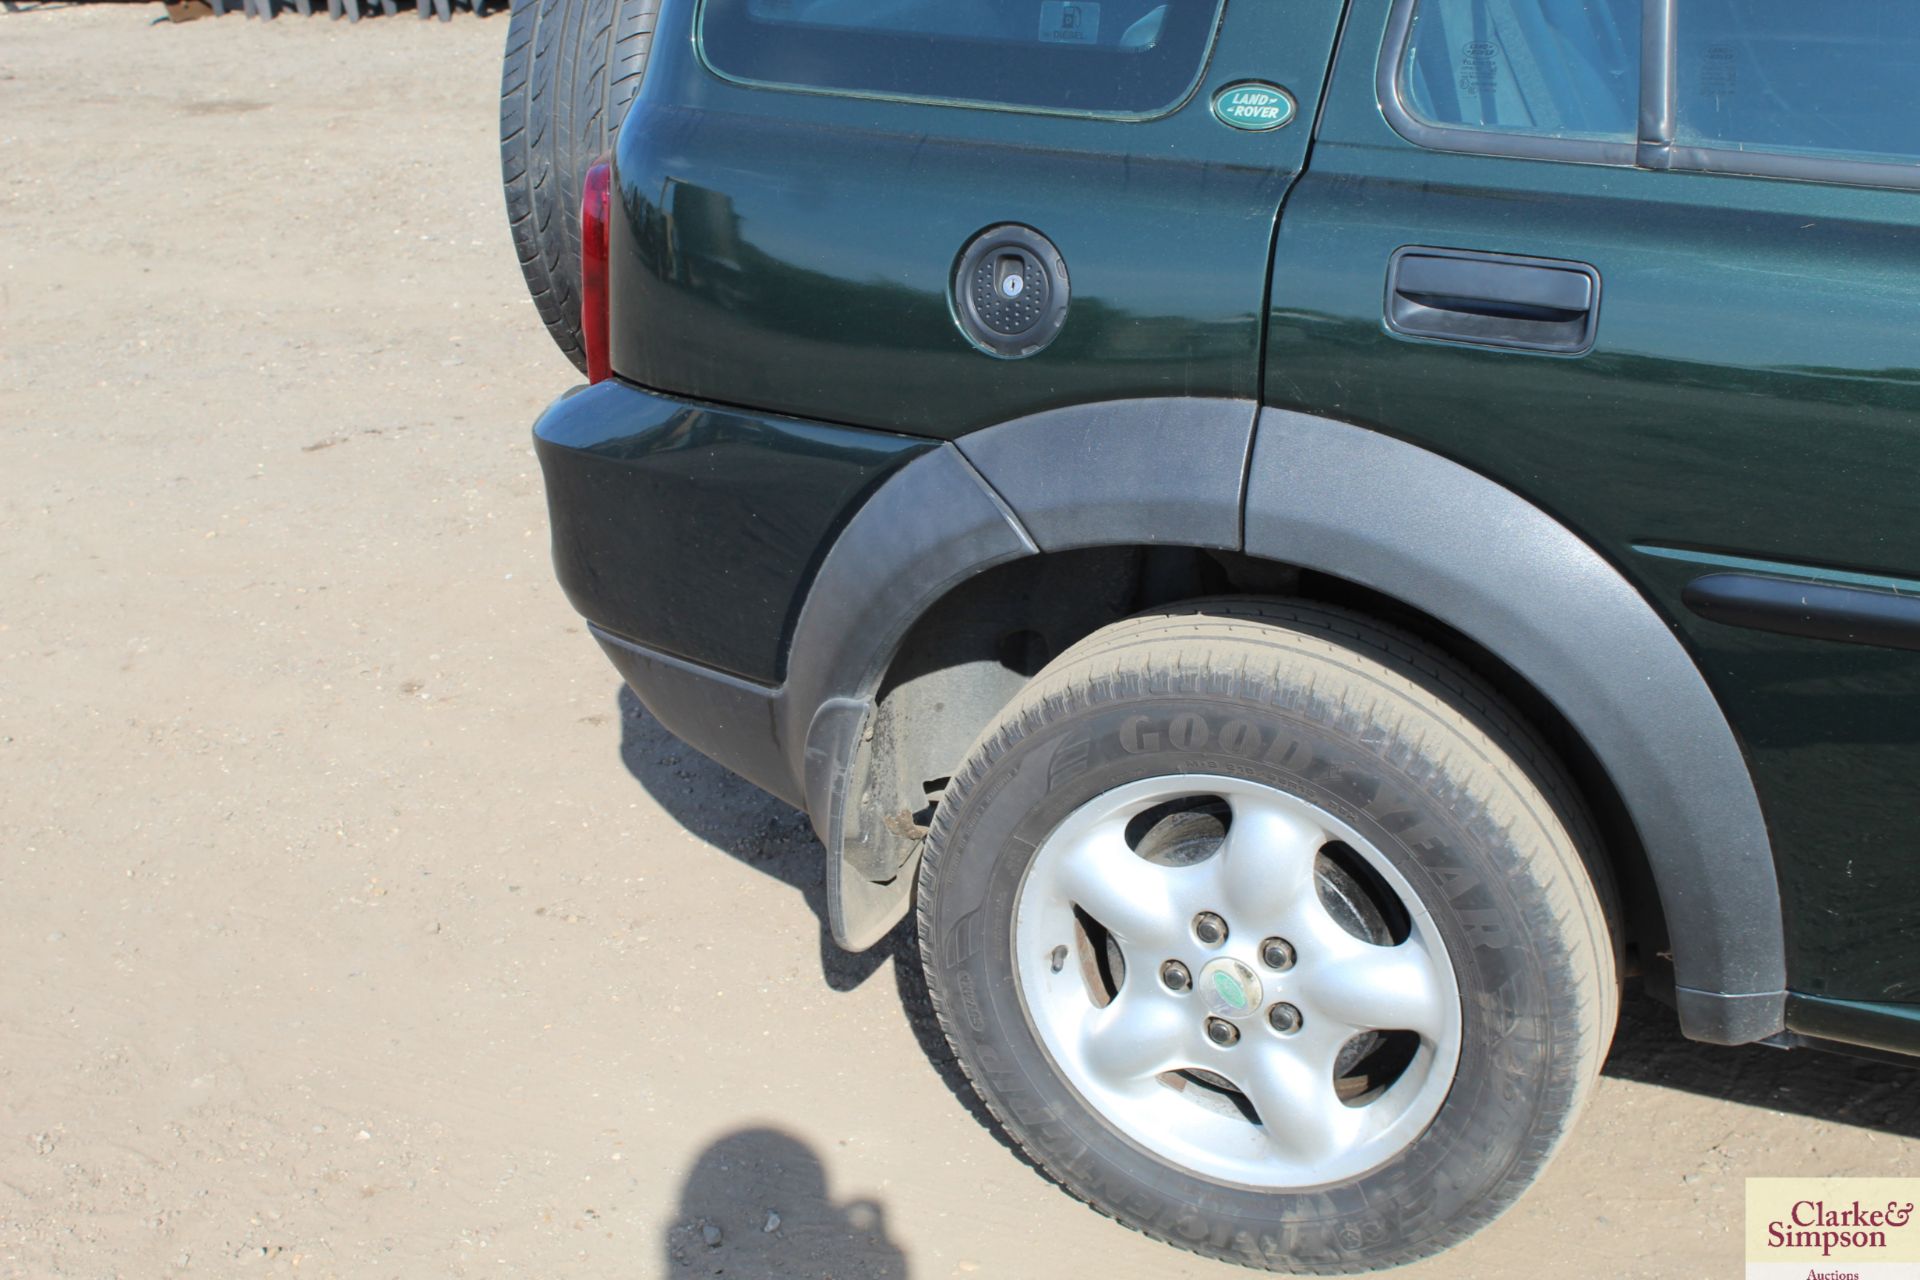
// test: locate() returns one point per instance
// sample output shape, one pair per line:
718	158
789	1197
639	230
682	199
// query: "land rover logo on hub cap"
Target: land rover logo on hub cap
1230	989
1253	104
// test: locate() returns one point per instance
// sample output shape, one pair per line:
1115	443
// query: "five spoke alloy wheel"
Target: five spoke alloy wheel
1237	981
1267	930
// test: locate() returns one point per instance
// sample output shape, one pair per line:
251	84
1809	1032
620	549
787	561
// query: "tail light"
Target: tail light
594	204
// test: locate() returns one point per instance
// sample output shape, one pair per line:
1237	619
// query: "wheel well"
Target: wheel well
967	656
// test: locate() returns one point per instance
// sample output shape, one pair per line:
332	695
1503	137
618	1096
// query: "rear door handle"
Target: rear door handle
1493	299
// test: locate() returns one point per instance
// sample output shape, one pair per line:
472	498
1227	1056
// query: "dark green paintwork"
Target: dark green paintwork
695	529
1754	390
819	233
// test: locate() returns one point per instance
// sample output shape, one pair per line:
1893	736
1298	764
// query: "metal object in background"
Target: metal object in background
265	10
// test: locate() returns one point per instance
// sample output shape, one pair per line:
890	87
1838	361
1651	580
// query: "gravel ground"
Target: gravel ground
357	925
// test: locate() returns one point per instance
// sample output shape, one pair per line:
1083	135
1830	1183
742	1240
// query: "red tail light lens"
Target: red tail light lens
595	200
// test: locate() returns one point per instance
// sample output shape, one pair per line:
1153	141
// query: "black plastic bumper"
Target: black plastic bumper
687	535
692	529
731	720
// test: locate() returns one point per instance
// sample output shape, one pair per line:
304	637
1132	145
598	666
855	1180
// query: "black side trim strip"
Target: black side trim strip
1890	1028
1849	615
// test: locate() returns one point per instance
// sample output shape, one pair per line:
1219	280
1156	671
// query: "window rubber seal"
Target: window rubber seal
1481	142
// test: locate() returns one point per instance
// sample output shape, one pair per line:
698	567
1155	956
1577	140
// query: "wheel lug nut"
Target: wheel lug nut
1210	929
1284	1018
1175	975
1277	953
1222	1032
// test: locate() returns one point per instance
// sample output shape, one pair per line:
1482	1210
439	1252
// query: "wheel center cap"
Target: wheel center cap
1230	989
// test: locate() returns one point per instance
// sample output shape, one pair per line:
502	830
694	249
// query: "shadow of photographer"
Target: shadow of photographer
756	1206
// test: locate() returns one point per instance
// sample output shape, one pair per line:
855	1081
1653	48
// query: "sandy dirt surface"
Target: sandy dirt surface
355	924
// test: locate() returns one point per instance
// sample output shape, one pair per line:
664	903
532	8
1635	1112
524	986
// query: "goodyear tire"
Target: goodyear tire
571	70
1273	934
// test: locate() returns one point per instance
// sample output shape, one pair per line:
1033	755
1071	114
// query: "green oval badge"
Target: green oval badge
1253	104
1230	991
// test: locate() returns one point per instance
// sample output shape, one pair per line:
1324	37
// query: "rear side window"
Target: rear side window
1097	57
1547	68
1798	77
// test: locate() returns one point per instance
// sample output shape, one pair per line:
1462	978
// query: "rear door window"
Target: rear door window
1097	57
1545	68
1801	78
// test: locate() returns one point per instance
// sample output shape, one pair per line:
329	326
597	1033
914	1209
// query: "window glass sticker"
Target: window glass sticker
1070	22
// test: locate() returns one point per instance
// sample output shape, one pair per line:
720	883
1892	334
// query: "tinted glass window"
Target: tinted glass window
1558	68
1132	57
1795	76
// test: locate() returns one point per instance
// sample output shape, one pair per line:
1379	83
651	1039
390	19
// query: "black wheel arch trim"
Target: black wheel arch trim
928	528
1054	481
1074	476
1484	561
1471	553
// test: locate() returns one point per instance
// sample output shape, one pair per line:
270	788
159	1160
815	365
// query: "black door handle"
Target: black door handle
1493	299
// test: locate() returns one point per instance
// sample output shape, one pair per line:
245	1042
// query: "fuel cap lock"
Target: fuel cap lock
1010	291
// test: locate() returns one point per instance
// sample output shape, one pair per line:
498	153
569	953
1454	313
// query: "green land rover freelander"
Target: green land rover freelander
1286	547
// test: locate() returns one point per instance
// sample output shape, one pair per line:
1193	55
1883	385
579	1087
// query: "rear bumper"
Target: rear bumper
723	717
693	529
687	535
